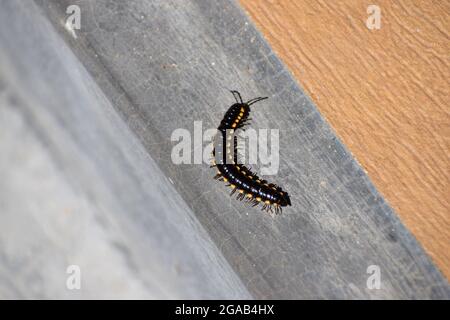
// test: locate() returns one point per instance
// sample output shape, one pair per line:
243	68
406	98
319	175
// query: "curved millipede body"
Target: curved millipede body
240	179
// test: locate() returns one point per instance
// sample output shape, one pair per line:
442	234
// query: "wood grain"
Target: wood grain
385	92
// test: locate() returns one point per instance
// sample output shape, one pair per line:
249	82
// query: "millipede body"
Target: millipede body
248	186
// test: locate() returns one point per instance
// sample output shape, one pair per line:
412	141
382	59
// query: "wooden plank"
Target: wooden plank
385	92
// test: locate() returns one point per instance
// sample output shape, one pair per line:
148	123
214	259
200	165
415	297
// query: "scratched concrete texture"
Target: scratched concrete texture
78	188
86	118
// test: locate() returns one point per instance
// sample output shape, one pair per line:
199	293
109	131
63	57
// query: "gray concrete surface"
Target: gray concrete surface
77	187
86	176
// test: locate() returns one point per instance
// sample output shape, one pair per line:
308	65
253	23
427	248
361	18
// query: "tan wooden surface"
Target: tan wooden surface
385	92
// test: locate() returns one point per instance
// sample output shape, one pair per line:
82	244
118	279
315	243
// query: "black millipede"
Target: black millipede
248	186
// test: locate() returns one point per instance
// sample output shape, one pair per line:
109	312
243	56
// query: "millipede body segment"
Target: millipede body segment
248	186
